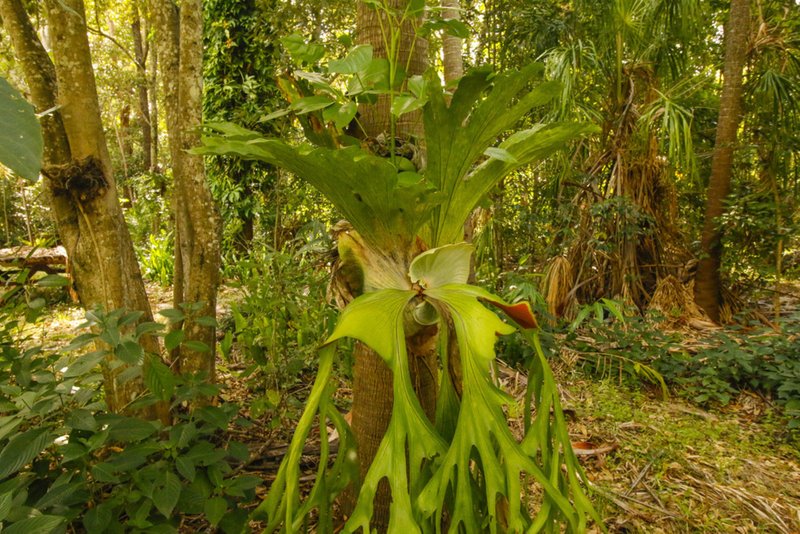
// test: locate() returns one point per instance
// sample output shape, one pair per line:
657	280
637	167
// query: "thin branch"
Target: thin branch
101	33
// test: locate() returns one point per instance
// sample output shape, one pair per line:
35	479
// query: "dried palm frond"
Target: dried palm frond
558	282
675	301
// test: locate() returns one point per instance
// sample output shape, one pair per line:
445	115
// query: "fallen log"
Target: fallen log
49	260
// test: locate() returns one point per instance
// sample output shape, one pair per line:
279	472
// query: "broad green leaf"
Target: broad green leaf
80	341
159	379
173	339
215	509
340	115
357	60
196	346
21	135
84	364
437	267
5	505
40	524
403	104
59	493
98	518
105	472
126	429
22	449
456	28
214	415
207	321
147	328
375	78
172	314
81	419
301	51
9	425
130	352
166	497
311	103
186	468
53	280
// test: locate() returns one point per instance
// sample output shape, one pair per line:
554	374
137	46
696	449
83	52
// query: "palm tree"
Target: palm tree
707	286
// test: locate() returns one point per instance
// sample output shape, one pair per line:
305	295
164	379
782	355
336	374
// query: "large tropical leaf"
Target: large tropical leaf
458	135
21	136
363	187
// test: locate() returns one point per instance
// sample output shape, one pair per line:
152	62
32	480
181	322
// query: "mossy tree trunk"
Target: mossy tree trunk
77	170
197	222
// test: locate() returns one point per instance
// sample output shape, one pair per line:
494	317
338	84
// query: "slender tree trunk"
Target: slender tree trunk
707	286
197	235
142	88
80	185
452	46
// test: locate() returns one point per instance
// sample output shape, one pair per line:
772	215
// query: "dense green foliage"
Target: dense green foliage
597	157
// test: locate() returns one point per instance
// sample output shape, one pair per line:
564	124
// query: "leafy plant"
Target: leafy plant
158	259
67	461
461	468
275	324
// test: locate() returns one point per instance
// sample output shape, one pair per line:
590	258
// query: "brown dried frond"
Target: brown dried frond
558	282
675	301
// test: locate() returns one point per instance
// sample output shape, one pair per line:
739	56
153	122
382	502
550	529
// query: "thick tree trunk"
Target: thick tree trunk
372	380
411	54
452	46
80	184
197	243
707	285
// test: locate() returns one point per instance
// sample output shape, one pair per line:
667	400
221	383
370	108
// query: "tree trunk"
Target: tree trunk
80	185
372	380
197	235
411	55
452	46
142	89
707	286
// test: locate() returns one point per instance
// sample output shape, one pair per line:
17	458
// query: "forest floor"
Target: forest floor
656	465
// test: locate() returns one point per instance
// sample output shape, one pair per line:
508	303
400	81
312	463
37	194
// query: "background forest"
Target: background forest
174	277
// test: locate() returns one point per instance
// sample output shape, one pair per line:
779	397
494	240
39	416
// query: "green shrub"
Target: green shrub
282	318
158	258
65	462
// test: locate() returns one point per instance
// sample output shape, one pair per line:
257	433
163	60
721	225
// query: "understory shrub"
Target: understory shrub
281	317
67	463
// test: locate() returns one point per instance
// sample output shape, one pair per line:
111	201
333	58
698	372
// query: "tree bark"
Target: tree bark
80	185
411	57
452	46
372	380
142	89
707	286
197	242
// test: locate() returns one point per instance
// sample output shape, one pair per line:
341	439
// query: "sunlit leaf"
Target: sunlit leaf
21	135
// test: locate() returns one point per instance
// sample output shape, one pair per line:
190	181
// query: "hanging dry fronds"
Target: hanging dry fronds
675	301
558	284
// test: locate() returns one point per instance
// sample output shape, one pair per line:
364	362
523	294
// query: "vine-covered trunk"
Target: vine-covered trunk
707	286
80	184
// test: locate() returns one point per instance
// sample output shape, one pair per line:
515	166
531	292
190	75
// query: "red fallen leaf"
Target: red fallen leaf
521	312
585	448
